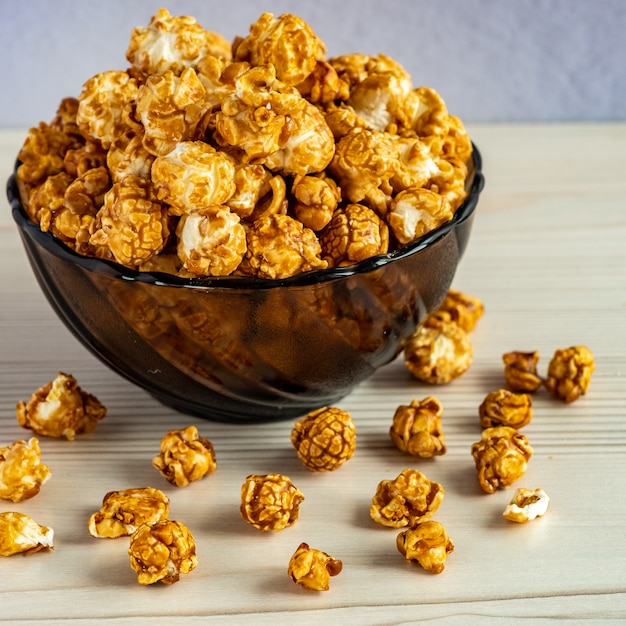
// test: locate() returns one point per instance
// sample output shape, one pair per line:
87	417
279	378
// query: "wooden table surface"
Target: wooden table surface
547	257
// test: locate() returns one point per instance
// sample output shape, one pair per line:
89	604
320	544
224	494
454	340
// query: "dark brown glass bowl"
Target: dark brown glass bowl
242	349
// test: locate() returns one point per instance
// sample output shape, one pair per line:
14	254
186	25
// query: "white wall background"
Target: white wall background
491	60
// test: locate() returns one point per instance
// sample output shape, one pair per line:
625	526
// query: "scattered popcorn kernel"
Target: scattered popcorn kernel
354	233
520	371
505	408
428	544
438	352
526	505
462	309
21	533
501	457
60	408
417	429
162	552
185	457
270	501
279	246
173	43
569	373
324	439
312	568
406	501
122	512
21	471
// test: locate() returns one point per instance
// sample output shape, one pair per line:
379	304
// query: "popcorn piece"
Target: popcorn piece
85	194
21	533
520	371
505	408
170	108
162	552
526	505
313	568
122	512
132	223
438	352
316	200
60	408
286	42
270	501
21	471
417	430
415	212
428	544
252	184
211	242
324	439
462	309
129	157
185	457
279	246
405	501
46	200
501	457
354	233
193	176
323	85
107	105
88	156
416	163
569	373
173	43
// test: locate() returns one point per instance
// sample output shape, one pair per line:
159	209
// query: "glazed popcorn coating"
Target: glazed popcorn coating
129	157
407	500
438	352
19	533
193	176
569	373
526	505
21	471
270	502
173	43
279	246
211	242
520	370
324	439
123	511
501	457
428	544
354	234
184	457
60	408
313	568
417	429
316	198
461	308
132	223
161	552
505	408
252	185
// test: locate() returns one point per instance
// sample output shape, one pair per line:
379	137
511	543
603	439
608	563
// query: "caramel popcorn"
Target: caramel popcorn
526	505
520	371
185	457
60	408
428	544
21	533
270	501
21	471
438	352
462	309
122	512
407	500
316	198
162	552
569	373
501	457
417	429
313	568
505	408
324	439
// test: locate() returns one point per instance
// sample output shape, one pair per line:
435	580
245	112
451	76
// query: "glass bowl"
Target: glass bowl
242	349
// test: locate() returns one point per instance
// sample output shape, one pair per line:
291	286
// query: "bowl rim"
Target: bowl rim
115	270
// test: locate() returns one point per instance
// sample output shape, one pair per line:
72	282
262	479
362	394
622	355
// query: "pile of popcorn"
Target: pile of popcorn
258	157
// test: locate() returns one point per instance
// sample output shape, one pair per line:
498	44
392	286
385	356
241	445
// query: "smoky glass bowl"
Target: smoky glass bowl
244	350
